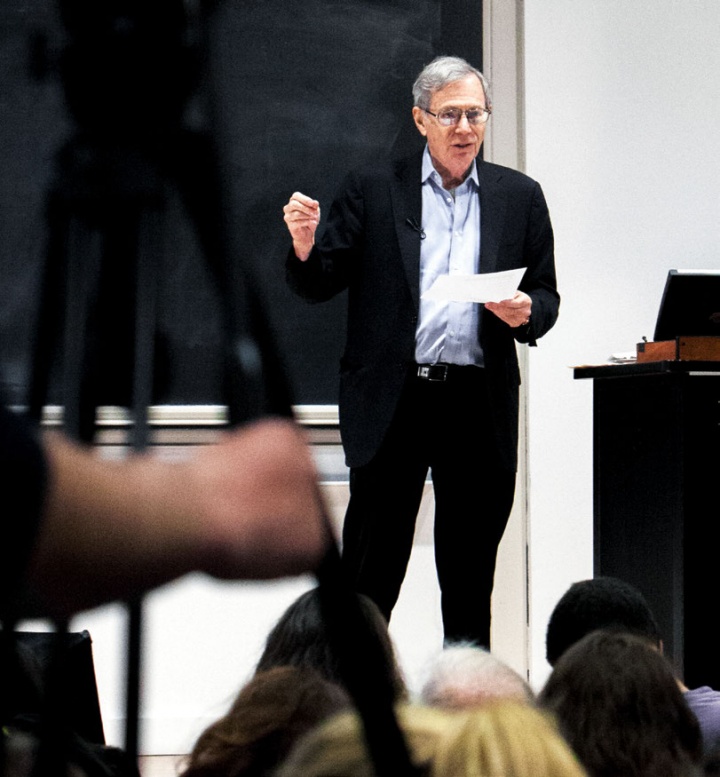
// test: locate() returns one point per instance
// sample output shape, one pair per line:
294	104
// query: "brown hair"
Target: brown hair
619	705
269	714
300	638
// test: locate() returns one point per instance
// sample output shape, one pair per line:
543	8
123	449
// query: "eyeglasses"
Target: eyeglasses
452	116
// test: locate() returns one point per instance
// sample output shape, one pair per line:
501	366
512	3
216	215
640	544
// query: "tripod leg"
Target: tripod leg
149	252
84	251
50	310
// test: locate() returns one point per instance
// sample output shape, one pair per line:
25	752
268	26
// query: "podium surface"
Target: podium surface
656	475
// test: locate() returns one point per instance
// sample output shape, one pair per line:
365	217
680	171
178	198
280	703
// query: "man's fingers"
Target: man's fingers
302	216
300	219
303	199
514	311
300	207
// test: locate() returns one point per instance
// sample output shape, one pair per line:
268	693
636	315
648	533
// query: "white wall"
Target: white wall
622	121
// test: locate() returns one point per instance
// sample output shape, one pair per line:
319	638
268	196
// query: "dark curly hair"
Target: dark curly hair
600	603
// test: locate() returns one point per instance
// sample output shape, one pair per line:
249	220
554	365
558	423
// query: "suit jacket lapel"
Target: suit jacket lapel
493	206
406	196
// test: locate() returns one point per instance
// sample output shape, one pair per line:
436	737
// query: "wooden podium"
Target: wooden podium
656	508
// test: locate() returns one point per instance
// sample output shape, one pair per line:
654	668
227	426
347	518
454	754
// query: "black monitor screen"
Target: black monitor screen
690	305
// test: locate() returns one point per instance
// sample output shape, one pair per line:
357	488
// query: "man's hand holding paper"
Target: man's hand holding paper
497	290
514	311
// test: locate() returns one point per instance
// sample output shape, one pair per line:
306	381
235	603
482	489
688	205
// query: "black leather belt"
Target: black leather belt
439	373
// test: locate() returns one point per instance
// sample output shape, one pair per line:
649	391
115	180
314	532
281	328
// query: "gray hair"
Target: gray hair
441	72
464	675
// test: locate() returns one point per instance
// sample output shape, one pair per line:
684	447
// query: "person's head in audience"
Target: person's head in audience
300	638
503	739
507	738
619	706
600	603
269	714
337	748
464	675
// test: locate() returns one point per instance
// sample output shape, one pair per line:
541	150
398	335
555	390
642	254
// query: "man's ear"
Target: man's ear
419	117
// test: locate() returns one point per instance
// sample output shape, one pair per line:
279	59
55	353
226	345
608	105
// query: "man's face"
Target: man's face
453	148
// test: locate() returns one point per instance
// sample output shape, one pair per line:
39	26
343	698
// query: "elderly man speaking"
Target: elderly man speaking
425	383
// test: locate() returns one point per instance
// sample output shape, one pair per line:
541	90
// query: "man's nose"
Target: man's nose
463	124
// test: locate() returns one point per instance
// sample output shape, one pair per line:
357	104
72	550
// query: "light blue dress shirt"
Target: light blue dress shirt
448	331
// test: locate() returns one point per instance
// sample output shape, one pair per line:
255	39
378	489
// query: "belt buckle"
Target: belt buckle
436	373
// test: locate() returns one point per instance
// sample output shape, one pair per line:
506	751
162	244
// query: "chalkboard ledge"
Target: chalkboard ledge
191	424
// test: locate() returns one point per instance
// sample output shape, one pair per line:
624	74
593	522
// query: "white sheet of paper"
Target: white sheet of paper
484	287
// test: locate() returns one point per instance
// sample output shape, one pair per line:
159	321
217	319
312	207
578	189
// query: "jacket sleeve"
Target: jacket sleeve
539	281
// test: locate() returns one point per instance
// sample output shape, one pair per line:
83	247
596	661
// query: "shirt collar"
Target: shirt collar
429	171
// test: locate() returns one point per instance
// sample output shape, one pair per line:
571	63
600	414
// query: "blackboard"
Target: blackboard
309	90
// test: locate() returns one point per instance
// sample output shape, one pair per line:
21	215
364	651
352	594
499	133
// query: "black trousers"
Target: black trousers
444	427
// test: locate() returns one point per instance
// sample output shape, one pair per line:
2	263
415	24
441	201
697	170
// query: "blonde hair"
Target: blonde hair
337	748
503	739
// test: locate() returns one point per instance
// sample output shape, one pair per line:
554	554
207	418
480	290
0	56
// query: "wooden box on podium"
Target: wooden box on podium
684	349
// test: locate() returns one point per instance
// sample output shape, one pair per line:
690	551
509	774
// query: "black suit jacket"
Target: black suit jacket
371	246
